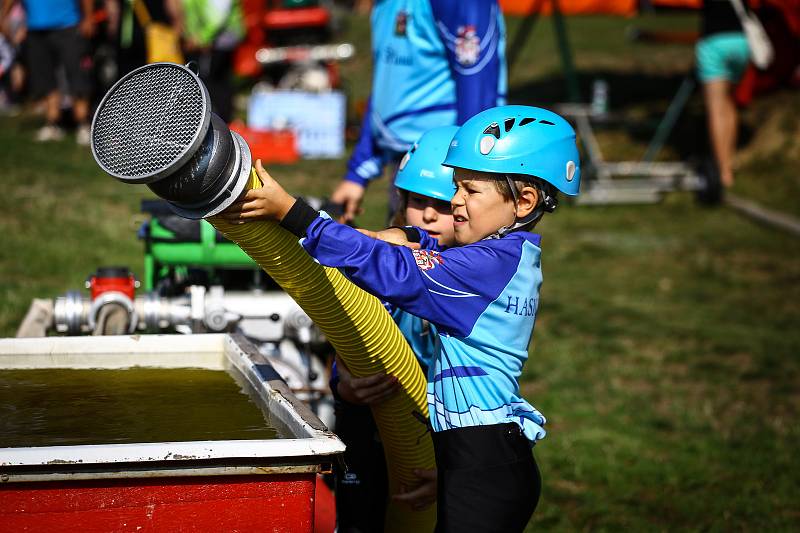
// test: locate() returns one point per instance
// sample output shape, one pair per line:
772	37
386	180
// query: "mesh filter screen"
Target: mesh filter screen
149	121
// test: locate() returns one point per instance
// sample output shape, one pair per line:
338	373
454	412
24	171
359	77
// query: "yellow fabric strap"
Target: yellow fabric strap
142	14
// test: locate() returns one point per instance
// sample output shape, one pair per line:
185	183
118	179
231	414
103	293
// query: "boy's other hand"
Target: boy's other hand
423	495
350	195
392	236
269	202
370	390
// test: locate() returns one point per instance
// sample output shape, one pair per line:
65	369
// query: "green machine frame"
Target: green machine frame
166	247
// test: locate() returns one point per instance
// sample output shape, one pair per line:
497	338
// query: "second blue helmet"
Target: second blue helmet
421	170
517	139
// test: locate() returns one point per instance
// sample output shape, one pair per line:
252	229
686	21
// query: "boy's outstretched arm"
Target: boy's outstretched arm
269	202
272	202
393	236
451	289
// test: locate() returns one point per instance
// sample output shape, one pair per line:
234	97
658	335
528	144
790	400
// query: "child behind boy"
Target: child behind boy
425	187
481	295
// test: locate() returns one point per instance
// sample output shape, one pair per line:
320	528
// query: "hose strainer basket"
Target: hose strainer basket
155	126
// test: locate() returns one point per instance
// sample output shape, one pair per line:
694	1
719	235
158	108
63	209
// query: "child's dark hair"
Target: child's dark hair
548	195
399	218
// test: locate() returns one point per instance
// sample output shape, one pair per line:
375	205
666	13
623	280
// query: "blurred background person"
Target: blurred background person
435	63
127	20
722	55
12	73
7	57
57	37
211	29
125	24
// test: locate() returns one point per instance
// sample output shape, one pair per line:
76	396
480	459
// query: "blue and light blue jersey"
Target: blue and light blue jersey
435	63
420	334
482	298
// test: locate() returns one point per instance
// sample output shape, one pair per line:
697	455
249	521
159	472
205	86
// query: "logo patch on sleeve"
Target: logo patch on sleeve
401	24
468	45
427	259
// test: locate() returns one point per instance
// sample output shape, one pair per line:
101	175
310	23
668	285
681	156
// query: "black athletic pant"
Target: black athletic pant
362	489
488	480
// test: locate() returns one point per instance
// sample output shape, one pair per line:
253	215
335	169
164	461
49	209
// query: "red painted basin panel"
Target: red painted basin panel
261	503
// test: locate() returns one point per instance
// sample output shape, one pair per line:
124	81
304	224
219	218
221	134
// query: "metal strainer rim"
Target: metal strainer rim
184	156
235	186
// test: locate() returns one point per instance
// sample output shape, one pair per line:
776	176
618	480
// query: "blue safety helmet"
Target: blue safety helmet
421	170
517	139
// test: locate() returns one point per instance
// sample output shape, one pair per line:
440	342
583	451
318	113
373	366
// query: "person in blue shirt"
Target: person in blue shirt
58	33
435	63
482	295
425	187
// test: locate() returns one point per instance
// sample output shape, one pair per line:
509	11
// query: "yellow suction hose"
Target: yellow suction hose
365	338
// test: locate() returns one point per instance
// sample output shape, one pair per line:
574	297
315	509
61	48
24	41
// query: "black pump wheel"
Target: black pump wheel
112	319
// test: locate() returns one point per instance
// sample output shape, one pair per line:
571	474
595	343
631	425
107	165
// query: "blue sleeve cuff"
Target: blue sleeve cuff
355	178
412	232
299	218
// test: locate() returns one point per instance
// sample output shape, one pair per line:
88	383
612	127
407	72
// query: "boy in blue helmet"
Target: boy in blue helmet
425	187
482	295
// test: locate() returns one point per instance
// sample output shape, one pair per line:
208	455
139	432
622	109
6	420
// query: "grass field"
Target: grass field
667	350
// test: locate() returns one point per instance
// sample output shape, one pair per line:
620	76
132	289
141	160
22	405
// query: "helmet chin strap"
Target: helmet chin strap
547	204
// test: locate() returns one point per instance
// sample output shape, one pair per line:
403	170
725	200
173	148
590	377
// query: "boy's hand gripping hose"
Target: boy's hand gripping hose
365	337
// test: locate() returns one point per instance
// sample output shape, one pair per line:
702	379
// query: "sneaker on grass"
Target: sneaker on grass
49	133
83	135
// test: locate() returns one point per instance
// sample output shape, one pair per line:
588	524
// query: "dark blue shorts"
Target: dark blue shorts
47	50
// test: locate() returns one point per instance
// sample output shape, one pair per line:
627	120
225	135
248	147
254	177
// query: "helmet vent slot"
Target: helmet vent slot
527	120
493	129
546	122
508	124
